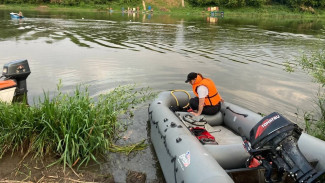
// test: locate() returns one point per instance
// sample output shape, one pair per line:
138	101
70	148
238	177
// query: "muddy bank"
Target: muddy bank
17	167
142	166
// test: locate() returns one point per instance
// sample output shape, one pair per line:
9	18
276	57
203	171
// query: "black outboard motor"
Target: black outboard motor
18	71
276	137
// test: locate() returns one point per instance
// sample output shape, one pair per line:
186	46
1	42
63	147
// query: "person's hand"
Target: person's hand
222	100
195	114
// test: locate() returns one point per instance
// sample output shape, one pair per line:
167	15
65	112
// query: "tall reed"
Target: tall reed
315	120
314	65
74	127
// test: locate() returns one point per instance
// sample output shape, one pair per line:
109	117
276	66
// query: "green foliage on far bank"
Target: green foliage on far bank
300	5
70	2
73	128
258	3
273	11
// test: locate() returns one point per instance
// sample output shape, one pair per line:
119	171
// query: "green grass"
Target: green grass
73	127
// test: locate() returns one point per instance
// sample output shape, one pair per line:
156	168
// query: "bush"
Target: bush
228	3
255	3
299	3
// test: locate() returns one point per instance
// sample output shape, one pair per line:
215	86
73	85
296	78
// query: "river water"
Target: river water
244	57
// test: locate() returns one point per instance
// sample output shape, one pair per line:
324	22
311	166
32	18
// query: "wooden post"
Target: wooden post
183	3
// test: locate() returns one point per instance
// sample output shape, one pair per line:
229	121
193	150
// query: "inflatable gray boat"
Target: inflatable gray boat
211	148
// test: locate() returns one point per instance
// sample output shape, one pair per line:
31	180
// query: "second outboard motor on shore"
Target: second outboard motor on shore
275	138
15	74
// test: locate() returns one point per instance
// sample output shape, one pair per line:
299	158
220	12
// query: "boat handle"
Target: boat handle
245	115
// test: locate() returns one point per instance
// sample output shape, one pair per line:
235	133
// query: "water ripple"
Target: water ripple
246	44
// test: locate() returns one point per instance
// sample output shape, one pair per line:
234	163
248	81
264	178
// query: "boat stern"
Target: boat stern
14	84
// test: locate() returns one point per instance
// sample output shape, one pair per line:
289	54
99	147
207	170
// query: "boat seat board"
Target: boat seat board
213	120
225	136
7	84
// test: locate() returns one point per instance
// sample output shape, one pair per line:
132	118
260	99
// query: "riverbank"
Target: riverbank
66	137
264	11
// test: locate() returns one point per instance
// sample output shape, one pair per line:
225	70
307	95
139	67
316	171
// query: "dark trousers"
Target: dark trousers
209	109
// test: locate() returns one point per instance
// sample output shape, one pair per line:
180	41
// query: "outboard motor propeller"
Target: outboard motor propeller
16	72
276	137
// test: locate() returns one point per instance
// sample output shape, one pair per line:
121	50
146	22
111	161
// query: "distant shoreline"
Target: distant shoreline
266	11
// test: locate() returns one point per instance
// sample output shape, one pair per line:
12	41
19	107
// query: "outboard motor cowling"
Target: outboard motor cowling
270	127
19	71
276	137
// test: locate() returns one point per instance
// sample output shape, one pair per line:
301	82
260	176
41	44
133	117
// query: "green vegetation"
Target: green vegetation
315	122
269	11
258	3
127	149
222	3
314	65
74	128
191	6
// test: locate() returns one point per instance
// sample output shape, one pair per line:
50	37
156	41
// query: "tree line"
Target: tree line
258	3
222	3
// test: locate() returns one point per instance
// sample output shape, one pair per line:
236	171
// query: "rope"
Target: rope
189	97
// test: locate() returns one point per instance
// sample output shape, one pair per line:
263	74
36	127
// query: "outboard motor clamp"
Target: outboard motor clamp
276	137
19	71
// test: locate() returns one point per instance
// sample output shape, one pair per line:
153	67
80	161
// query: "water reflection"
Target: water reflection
212	19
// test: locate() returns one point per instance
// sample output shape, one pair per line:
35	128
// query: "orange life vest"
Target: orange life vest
213	97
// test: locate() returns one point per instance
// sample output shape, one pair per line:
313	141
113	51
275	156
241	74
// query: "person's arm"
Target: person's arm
202	93
200	107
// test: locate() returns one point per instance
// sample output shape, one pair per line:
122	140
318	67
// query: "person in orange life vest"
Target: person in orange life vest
207	100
